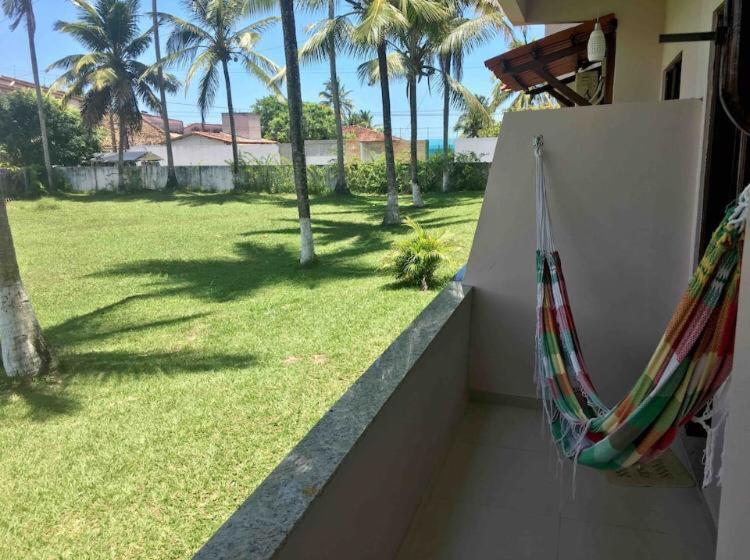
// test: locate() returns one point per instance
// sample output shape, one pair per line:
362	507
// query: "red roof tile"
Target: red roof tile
226	138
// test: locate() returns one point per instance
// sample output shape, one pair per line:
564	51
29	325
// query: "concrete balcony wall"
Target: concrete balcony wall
350	488
622	183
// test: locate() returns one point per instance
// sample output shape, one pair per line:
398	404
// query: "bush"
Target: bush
267	176
20	183
467	173
415	260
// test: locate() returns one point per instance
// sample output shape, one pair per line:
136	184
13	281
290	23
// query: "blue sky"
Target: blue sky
245	89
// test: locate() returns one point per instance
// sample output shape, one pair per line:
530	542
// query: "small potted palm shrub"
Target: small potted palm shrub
416	259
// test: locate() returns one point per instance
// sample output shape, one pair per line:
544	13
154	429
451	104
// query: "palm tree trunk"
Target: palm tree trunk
232	129
446	117
31	28
392	216
121	153
294	97
171	176
112	133
416	193
340	187
25	351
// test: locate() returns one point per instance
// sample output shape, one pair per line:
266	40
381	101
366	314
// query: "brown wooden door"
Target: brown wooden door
727	169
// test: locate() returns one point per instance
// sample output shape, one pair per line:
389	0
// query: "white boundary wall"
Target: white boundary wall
217	178
482	147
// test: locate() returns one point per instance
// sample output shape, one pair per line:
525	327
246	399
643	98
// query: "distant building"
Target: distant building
211	144
8	84
366	144
152	132
130	157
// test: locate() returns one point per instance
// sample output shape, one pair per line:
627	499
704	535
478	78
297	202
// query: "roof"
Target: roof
128	155
225	138
10	84
175	125
365	134
203	127
558	54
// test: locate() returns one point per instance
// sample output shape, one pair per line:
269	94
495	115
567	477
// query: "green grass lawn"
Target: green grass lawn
194	351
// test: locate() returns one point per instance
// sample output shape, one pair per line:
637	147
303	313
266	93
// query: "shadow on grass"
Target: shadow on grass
47	397
123	363
342	248
256	266
97	325
43	398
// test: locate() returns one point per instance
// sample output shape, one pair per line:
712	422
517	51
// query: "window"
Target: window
672	77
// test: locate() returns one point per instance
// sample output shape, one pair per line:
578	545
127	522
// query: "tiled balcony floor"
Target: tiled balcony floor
497	496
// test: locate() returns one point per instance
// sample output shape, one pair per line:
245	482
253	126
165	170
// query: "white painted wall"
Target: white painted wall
92	178
482	147
317	152
623	192
214	178
197	150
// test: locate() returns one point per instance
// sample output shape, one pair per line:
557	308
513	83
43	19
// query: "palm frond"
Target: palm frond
207	88
369	71
251	65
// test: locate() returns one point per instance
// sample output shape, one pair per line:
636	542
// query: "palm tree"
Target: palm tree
473	122
17	11
213	38
346	104
376	21
25	351
294	97
363	117
413	35
461	34
109	77
171	175
327	36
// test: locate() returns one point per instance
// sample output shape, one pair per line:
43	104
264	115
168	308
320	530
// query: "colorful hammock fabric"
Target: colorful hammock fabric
691	362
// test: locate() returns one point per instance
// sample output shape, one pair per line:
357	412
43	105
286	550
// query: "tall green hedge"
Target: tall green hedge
467	173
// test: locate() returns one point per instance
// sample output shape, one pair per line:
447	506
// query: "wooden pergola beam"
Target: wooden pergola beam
512	77
560	98
560	87
543	59
546	88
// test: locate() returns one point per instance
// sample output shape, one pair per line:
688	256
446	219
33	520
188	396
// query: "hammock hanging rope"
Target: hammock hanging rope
690	363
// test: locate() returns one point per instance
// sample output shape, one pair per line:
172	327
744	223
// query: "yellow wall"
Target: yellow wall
683	16
638	56
640	59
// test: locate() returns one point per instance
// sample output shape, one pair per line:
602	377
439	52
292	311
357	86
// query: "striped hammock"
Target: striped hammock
691	362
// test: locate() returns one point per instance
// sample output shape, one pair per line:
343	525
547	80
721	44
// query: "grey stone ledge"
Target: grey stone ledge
259	527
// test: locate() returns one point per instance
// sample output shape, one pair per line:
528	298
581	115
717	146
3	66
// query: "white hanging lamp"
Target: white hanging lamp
597	45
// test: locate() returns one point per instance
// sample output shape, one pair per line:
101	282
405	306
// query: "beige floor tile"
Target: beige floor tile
499	495
669	510
453	530
504	426
589	541
496	476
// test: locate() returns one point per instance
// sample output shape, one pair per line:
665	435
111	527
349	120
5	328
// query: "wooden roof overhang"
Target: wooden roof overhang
549	64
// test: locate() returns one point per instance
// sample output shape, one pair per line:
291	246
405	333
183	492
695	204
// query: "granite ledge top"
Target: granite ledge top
257	529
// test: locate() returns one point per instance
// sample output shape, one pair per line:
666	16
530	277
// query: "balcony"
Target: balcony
439	449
